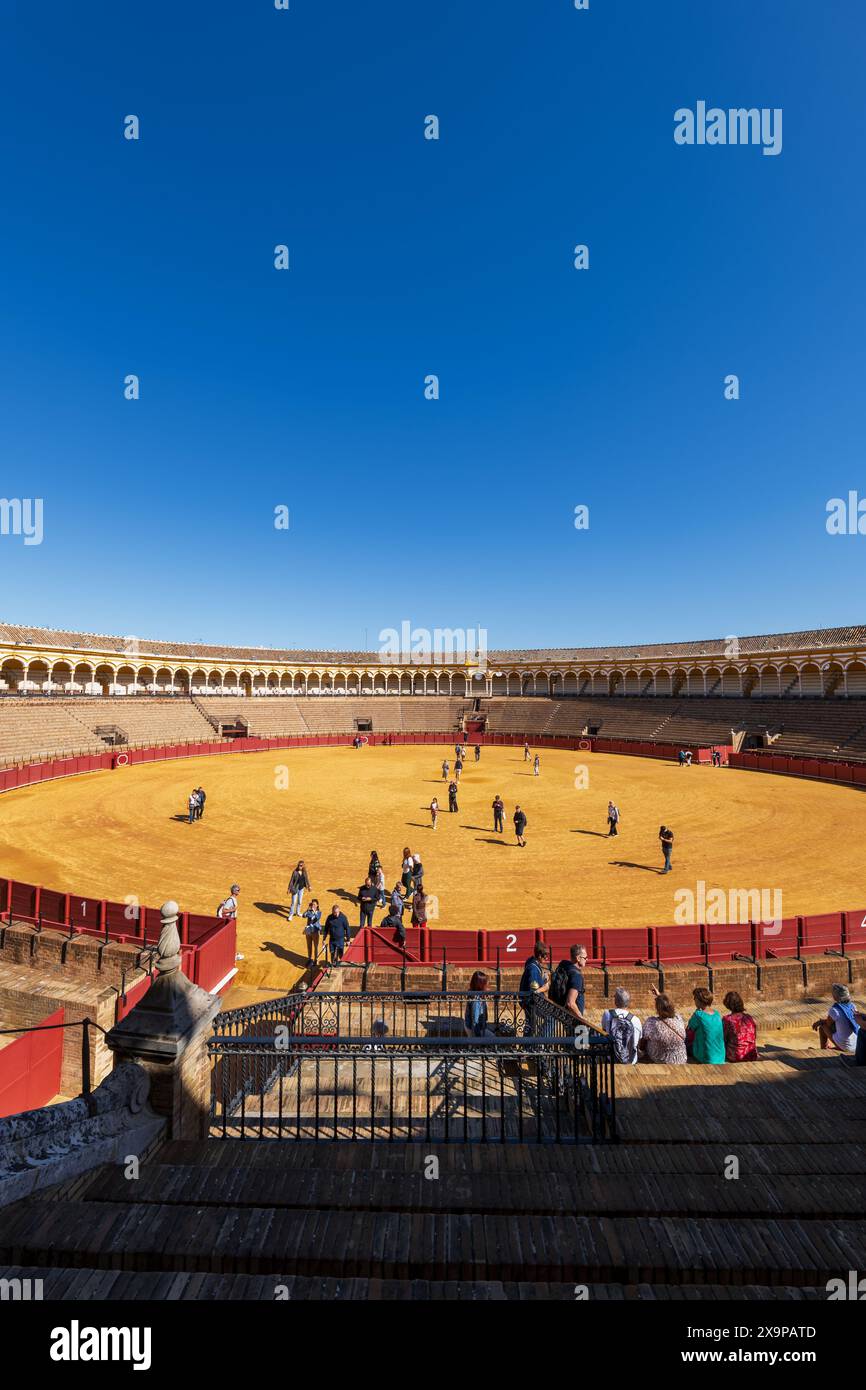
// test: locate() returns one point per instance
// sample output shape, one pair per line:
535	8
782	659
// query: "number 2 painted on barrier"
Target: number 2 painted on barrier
511	941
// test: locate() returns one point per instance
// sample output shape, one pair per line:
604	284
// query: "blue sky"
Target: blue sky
408	257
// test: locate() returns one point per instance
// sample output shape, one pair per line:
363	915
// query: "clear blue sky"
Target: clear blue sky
410	257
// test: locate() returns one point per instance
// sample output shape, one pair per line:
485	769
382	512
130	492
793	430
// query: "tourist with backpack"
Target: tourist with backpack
534	980
568	987
623	1028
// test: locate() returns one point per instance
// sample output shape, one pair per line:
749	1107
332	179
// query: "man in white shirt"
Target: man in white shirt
623	1027
839	1028
228	908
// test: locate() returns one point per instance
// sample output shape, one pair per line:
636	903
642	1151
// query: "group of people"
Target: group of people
407	895
196	804
666	835
665	1037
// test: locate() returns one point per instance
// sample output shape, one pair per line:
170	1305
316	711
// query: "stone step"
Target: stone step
442	1247
678	1194
91	1284
822	1159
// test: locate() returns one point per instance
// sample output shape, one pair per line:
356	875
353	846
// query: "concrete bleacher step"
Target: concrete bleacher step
86	1285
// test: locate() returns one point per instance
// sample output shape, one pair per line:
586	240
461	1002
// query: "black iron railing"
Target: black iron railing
330	1067
425	1013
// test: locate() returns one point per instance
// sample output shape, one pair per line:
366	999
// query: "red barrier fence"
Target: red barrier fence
835	933
30	1068
822	769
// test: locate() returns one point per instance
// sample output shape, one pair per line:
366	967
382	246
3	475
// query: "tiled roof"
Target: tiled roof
718	647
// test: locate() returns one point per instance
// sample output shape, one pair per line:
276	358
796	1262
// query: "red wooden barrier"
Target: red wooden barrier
30	1068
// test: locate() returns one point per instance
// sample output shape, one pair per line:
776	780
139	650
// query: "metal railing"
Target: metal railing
331	1067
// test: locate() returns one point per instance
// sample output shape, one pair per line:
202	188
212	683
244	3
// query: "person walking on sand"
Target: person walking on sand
452	796
498	813
536	765
520	826
434	813
446	768
526	752
666	839
312	931
298	884
612	819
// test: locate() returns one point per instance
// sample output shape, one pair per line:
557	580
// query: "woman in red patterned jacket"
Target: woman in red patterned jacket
740	1030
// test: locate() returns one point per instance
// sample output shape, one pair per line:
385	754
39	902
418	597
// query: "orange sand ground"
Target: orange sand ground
111	834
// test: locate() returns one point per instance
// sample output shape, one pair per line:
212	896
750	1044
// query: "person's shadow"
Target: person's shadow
627	864
291	957
275	909
184	820
343	894
602	834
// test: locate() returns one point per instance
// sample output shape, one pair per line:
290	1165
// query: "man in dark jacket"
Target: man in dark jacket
367	901
336	932
452	796
498	812
520	825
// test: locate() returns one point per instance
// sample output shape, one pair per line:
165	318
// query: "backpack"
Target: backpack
621	1035
559	983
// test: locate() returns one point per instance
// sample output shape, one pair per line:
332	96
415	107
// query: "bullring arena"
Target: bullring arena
196	1031
124	833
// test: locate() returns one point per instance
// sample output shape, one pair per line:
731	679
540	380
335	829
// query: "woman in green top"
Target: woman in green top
705	1031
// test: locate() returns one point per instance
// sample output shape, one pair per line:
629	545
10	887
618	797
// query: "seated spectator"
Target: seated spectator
739	1029
705	1036
475	1017
840	1028
623	1028
664	1037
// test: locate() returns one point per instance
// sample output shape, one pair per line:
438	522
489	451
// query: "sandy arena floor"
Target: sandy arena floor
111	834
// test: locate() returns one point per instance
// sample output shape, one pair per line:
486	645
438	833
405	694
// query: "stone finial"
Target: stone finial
168	951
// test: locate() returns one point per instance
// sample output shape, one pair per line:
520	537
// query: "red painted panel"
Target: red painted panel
728	939
855	929
560	941
133	995
458	946
822	932
84	913
52	906
626	944
200	926
778	939
23	903
123	919
509	947
680	944
215	957
30	1068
